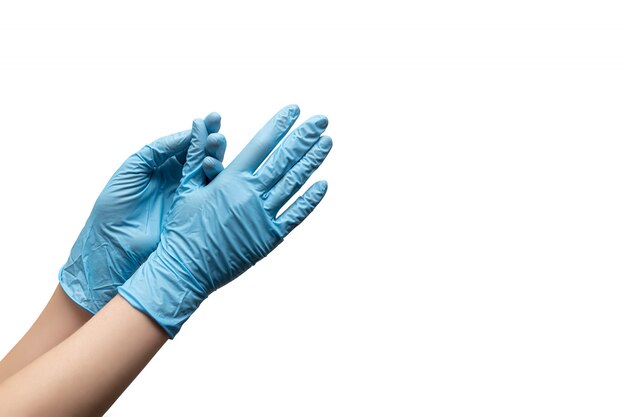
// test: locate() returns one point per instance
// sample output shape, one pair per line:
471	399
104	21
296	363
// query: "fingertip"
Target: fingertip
213	122
294	110
315	194
284	120
216	146
289	113
302	207
216	139
321	122
321	188
211	167
325	143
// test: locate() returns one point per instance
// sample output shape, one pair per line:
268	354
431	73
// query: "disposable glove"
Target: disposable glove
126	221
217	231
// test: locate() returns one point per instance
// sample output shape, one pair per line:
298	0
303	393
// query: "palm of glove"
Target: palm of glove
121	232
215	233
132	208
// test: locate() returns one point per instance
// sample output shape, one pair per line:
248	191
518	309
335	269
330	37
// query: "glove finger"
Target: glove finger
216	146
266	139
291	150
297	175
301	208
155	154
213	122
211	167
192	171
151	156
200	131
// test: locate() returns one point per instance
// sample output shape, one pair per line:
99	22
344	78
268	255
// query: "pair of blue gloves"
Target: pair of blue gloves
172	225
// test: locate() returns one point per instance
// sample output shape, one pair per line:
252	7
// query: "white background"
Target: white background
469	256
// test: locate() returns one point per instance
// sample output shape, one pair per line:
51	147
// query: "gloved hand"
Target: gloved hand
217	231
126	221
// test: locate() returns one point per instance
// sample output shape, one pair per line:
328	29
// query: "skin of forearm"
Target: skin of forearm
59	319
86	373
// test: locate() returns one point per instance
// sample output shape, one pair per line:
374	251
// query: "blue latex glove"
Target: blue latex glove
125	224
215	232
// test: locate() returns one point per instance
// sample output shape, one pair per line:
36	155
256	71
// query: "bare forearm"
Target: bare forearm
59	319
87	372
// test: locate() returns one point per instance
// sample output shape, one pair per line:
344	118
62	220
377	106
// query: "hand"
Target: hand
217	231
126	221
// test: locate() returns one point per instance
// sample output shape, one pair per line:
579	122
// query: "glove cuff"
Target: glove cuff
157	291
71	283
